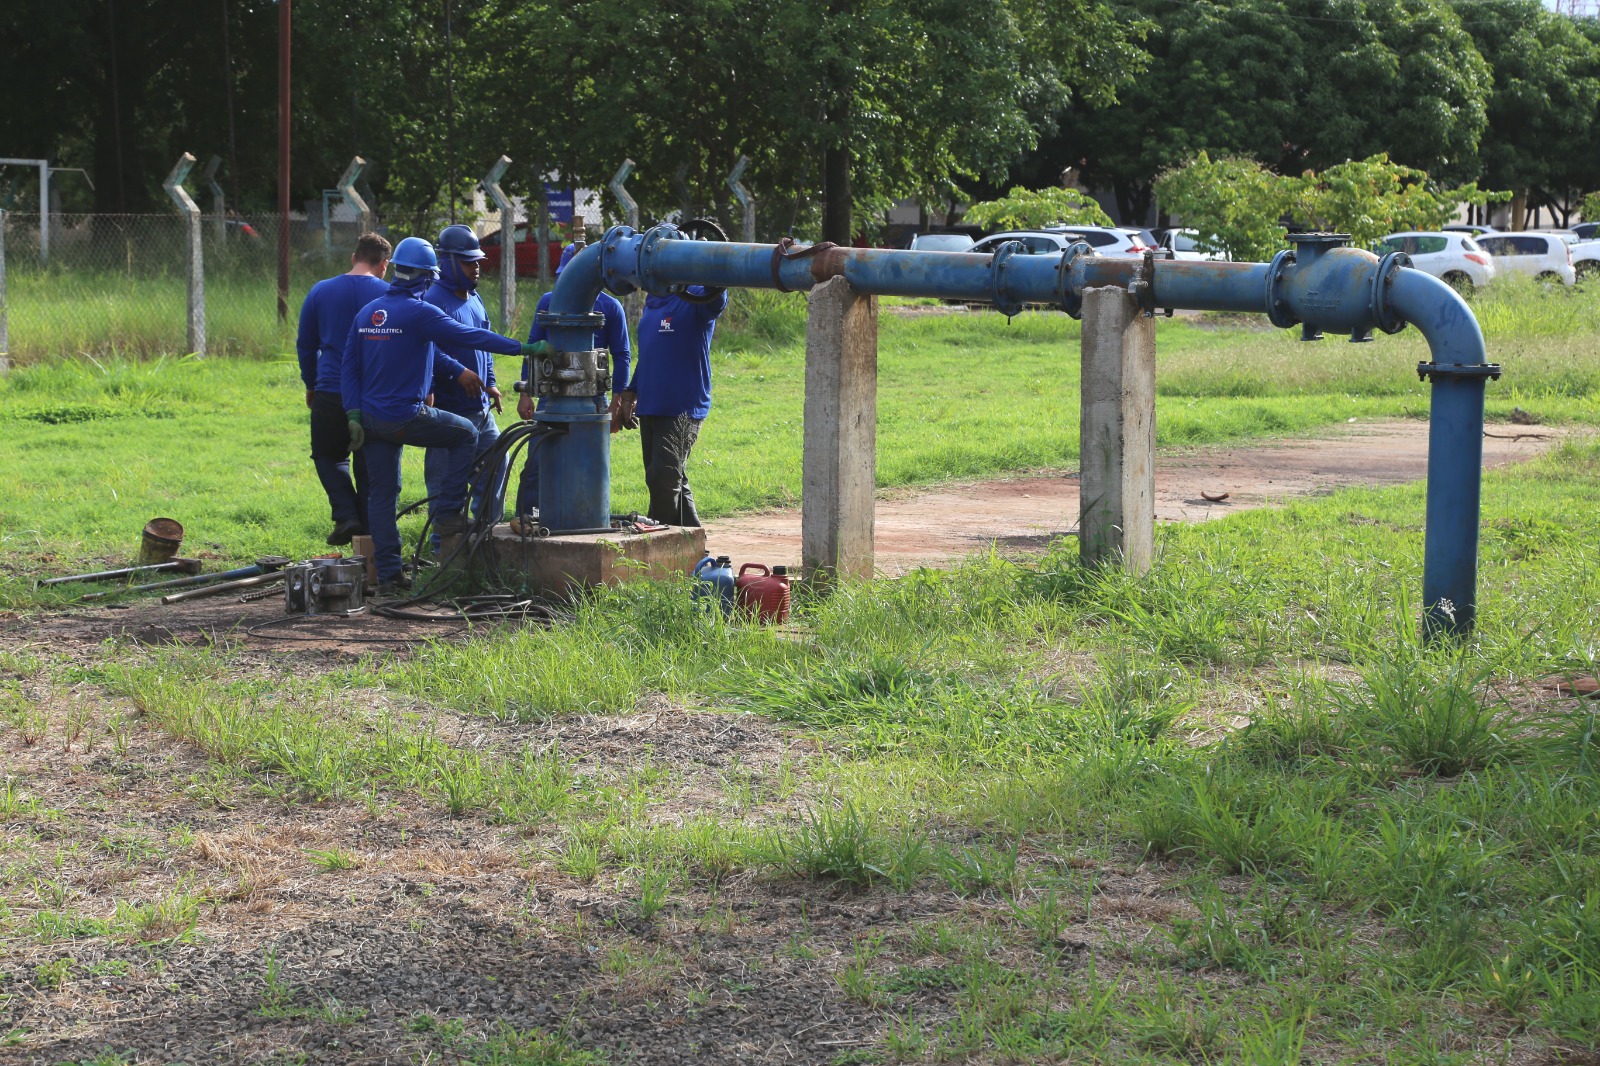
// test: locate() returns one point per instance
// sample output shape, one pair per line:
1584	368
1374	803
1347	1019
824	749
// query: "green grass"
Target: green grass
1413	825
95	449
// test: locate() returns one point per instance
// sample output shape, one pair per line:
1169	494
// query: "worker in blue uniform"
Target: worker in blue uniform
671	394
456	294
389	365
613	336
325	319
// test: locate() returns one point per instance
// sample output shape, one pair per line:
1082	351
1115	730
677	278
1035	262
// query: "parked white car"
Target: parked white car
1545	256
1103	240
1184	244
941	242
1585	253
1452	256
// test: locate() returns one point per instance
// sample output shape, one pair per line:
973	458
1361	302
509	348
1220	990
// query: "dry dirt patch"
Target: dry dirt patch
939	526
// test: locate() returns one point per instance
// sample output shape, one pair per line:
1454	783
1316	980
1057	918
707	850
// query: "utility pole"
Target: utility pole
284	21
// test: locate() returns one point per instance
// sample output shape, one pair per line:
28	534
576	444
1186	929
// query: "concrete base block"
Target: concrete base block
557	565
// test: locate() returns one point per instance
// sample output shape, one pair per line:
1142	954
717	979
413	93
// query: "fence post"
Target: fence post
840	460
347	189
508	241
197	271
544	233
746	201
1117	432
634	301
5	326
218	204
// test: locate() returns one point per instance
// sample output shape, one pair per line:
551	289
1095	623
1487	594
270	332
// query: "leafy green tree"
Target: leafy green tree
1035	209
1545	98
1373	197
1290	83
1235	205
1590	209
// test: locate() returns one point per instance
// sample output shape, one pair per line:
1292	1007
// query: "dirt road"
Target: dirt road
933	527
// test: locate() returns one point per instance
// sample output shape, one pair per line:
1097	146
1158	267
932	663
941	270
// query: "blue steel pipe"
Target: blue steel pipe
1321	284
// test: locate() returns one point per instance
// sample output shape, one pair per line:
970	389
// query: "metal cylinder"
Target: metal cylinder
575	466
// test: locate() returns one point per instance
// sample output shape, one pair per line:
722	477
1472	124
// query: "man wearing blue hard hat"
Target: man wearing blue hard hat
456	294
390	361
613	336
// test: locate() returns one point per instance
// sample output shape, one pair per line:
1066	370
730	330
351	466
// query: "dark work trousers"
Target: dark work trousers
330	451
667	441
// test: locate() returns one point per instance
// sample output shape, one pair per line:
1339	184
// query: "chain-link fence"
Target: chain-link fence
117	285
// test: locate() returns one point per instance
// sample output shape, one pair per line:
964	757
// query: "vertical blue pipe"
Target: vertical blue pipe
1458	372
575	467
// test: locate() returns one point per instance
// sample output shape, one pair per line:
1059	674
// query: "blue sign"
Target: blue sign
560	203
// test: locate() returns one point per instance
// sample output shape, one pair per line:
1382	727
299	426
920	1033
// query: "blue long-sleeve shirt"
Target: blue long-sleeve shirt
325	320
448	395
612	335
674	373
390	359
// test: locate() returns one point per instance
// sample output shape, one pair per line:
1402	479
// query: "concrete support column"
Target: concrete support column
1117	433
841	432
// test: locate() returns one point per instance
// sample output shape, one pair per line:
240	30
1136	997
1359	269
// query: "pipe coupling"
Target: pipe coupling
619	260
1278	312
1069	284
1388	266
1004	302
647	247
573	374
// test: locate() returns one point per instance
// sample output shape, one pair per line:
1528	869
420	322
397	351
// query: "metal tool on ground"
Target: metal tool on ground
171	566
325	586
264	565
160	541
222	587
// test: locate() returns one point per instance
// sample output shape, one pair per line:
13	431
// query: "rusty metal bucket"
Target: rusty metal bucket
161	541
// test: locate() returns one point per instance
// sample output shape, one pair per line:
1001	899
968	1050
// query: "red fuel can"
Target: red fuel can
765	593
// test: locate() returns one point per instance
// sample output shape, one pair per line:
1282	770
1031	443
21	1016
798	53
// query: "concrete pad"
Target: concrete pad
557	565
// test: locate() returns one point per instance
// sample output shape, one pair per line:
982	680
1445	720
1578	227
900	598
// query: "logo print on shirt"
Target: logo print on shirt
379	317
666	324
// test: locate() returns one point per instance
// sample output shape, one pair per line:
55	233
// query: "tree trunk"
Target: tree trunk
837	205
1519	209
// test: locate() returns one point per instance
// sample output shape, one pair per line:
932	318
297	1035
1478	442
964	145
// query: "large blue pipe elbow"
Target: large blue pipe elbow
1458	371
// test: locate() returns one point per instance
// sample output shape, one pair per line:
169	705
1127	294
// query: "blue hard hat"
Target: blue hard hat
414	253
459	241
566	257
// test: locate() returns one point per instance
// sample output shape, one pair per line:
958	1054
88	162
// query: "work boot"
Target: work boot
450	525
524	525
396	588
344	533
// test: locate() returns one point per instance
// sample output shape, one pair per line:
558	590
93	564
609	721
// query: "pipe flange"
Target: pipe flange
616	279
556	320
1003	301
652	241
1068	297
1426	371
1278	312
1382	278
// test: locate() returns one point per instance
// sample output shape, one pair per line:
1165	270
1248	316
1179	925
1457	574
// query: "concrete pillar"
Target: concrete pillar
1117	433
841	432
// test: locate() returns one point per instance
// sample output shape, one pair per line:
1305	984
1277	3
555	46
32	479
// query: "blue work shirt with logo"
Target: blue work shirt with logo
325	320
674	372
612	335
448	395
390	360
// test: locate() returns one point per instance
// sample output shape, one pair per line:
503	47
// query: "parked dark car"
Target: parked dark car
1587	231
527	252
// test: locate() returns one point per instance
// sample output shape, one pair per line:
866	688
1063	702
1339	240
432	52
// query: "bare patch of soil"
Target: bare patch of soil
940	526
